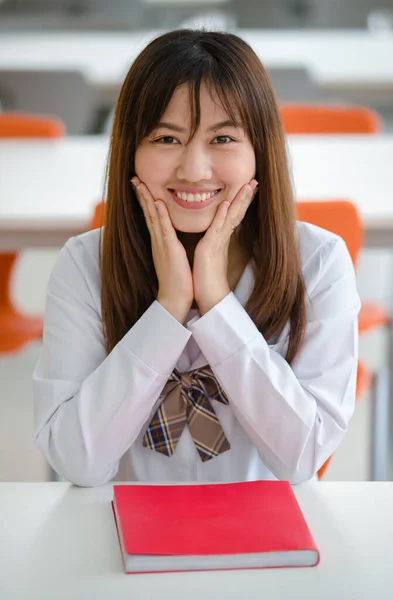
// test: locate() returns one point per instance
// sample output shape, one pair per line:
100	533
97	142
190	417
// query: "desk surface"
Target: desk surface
59	541
48	189
334	57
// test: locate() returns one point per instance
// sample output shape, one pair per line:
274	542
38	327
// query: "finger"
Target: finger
219	220
145	196
135	183
240	204
167	229
147	203
156	214
236	210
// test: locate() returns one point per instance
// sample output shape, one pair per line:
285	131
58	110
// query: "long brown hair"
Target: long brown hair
267	232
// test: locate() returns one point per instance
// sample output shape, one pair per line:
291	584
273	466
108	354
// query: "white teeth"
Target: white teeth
195	197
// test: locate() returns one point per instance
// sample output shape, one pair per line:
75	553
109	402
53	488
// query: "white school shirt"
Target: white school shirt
92	409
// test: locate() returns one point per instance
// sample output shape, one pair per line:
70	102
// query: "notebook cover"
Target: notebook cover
208	519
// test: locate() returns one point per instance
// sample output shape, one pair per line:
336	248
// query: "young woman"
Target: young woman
203	334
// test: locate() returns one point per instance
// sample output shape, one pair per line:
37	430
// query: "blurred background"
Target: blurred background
61	67
151	14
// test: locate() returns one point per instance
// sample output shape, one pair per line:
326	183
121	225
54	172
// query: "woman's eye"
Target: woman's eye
167	139
222	139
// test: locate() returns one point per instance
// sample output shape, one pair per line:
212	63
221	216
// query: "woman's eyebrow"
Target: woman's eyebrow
220	125
172	126
227	123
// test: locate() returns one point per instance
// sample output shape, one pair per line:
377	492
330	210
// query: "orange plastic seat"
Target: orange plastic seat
18	125
325	119
345	221
98	217
16	329
372	316
339	216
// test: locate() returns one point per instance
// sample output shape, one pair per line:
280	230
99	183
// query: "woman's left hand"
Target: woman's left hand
210	268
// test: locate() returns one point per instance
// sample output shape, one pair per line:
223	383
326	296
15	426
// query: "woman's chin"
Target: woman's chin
190	221
190	227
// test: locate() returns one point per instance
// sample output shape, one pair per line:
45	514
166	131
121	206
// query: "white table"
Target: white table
59	542
337	59
48	189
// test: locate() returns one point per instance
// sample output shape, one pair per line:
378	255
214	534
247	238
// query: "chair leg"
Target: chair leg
380	396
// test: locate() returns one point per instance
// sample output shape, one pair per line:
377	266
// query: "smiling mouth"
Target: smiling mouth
198	197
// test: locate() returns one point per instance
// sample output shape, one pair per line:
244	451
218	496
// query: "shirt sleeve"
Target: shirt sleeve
89	406
296	415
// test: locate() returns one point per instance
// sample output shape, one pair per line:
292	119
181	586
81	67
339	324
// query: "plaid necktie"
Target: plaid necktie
187	402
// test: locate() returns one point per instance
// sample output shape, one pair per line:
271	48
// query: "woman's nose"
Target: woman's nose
194	164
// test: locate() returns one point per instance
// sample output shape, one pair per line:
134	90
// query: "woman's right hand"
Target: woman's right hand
175	283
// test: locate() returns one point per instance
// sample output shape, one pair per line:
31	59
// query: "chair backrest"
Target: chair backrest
321	119
292	84
20	125
63	94
99	216
338	216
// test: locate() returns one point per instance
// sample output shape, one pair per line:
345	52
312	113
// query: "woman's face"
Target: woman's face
194	178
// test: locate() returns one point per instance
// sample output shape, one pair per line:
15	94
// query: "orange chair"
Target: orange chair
16	329
328	119
18	125
98	217
324	215
341	217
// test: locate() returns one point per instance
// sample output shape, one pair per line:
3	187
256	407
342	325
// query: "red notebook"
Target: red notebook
244	525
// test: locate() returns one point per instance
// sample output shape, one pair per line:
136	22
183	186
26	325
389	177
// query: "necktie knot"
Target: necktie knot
187	402
186	380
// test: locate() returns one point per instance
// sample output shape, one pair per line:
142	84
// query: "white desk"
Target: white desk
336	58
48	189
59	542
